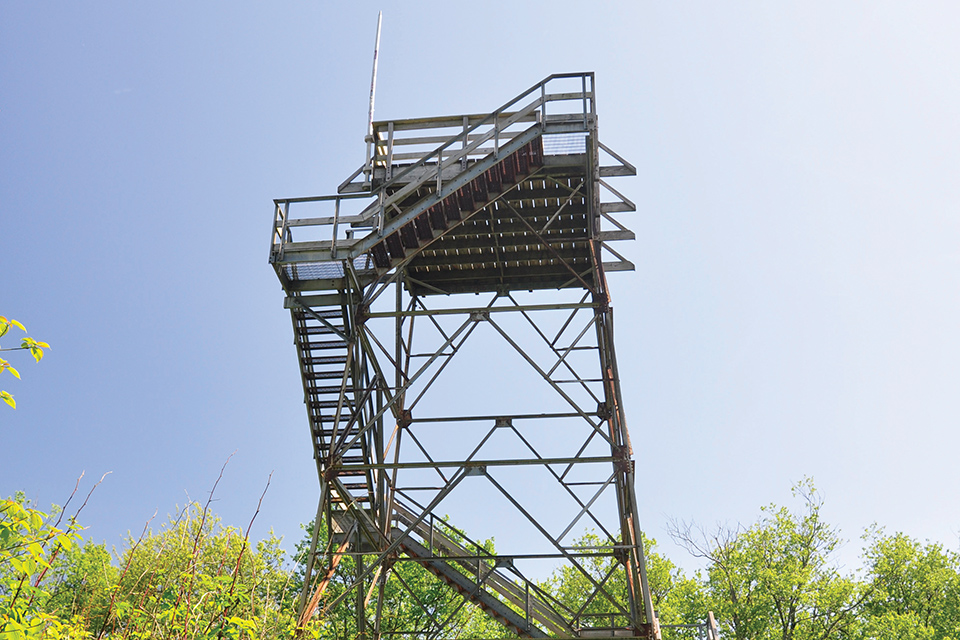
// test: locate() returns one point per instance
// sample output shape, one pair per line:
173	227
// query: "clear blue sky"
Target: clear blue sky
794	311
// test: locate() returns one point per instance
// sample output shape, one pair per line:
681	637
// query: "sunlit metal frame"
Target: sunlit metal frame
371	413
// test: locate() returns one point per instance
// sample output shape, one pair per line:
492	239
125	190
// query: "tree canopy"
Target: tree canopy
194	577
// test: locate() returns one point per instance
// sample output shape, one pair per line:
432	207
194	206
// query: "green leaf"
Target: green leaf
35	550
34	346
6	397
13	371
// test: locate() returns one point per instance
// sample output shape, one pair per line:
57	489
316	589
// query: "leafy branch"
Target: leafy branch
35	347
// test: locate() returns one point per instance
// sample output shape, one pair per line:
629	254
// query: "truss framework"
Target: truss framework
455	338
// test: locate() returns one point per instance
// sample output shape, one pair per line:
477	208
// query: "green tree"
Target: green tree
676	598
80	582
415	602
30	542
915	588
195	578
35	347
776	579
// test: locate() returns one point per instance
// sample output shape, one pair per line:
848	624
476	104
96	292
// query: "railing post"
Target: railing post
431	536
368	165
583	85
526	604
593	95
713	625
389	171
382	215
543	100
336	223
479	565
283	228
463	147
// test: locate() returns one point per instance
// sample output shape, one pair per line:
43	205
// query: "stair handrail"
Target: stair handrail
486	564
282	222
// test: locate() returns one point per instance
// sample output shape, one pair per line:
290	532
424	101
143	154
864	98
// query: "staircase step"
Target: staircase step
316	390
422	226
395	246
326	313
319	346
312	361
319	330
408	236
327	404
466	200
330	374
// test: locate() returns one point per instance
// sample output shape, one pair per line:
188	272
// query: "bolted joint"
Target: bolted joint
603	411
405	418
601	301
649	630
620	555
479	316
361	314
503	422
330	473
622	460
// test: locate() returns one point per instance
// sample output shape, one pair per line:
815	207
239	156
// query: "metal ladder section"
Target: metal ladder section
331	394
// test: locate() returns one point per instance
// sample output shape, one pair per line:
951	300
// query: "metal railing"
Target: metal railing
706	630
479	136
491	127
452	545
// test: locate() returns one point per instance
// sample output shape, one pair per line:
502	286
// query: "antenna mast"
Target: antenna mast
373	79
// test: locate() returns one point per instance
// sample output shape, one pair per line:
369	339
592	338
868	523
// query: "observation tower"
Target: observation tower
454	333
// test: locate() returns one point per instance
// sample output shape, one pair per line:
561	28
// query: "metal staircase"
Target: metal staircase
507	201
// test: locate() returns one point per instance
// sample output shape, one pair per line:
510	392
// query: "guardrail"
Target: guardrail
478	136
706	630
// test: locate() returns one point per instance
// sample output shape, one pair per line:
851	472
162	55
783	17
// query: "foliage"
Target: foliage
434	603
35	347
30	542
916	588
775	579
196	578
676	599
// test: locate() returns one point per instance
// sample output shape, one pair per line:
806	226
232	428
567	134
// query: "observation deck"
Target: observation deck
509	200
